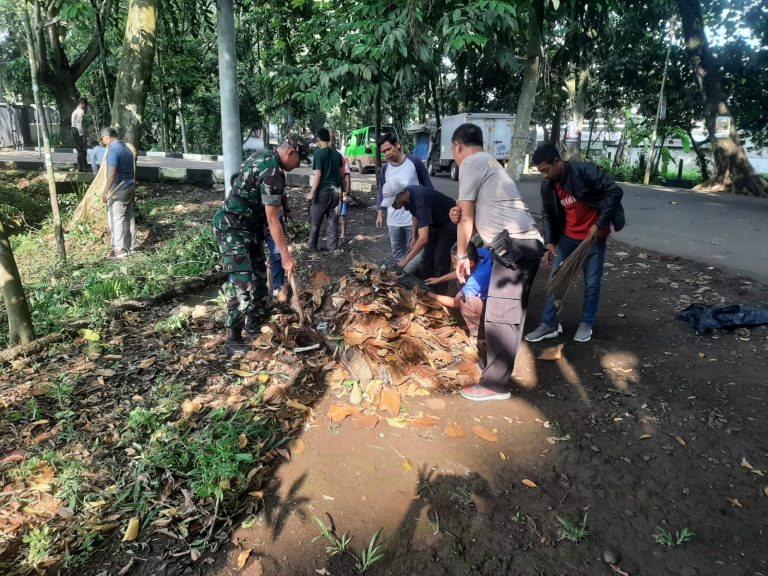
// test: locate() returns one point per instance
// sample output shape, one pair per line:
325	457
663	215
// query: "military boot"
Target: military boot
235	345
253	326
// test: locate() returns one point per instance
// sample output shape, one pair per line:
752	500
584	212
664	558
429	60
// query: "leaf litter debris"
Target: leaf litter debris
145	432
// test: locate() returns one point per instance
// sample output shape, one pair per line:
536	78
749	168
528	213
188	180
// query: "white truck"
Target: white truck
497	139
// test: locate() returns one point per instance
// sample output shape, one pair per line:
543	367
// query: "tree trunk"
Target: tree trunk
164	113
435	101
103	61
377	122
733	172
701	157
19	319
183	123
580	101
135	70
519	143
461	82
554	135
58	230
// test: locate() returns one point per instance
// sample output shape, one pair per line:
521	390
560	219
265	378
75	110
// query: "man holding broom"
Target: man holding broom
580	202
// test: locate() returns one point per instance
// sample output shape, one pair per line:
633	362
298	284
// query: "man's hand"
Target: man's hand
432	281
463	270
401	264
455	214
287	265
310	196
380	219
593	230
549	255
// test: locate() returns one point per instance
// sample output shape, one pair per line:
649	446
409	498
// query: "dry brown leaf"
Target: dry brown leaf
242	441
485	434
530	483
319	279
746	464
397	422
735	502
241	373
765	490
297	446
552	353
390	400
105	372
366	421
680	441
455	431
338	412
295	405
147	363
645	437
356	395
424	422
132	530
242	558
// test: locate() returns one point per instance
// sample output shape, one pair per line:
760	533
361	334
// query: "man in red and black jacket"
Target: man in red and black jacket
578	200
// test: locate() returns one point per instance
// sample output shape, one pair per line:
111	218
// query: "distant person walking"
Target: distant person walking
578	200
408	171
326	192
119	193
78	134
96	155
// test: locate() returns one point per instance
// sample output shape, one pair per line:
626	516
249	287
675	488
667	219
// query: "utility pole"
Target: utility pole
230	109
650	162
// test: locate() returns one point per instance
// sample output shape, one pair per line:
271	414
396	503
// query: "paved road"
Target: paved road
730	232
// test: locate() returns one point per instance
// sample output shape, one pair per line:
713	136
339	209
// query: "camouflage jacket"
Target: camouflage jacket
260	183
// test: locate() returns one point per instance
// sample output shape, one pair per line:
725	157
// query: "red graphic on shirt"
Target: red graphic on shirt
578	216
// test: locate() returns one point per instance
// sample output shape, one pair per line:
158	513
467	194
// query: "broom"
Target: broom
563	278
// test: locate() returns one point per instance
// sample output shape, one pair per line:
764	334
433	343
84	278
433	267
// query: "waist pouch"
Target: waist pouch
511	251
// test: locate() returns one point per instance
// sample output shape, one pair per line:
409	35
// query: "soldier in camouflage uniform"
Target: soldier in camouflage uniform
255	200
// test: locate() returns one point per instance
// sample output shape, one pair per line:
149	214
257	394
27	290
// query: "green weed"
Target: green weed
370	555
336	544
39	542
572	532
171	325
69	477
670	540
61	390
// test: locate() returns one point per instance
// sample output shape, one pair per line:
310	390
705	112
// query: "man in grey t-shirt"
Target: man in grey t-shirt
490	204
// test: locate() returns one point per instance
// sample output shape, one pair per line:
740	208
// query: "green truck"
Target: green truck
361	148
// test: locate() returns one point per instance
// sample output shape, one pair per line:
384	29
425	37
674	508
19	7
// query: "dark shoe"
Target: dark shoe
253	327
542	332
236	348
584	333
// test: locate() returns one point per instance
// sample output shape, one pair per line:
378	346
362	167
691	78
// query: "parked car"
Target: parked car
362	146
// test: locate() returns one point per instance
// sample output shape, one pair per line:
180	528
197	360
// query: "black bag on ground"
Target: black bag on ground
702	317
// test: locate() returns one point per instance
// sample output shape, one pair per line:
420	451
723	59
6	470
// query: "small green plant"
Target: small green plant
39	542
69	477
336	544
686	491
572	532
61	390
172	324
517	518
140	422
462	498
370	555
670	540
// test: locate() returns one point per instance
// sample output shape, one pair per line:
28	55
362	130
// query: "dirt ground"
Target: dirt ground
648	429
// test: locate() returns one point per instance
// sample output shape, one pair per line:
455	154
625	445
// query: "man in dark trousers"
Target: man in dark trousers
435	231
579	201
326	192
490	204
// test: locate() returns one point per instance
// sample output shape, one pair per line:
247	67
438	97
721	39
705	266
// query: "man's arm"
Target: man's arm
598	181
315	184
278	237
416	247
463	235
440	279
447	301
379	197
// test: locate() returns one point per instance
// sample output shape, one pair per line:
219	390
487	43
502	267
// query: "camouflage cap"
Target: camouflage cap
298	143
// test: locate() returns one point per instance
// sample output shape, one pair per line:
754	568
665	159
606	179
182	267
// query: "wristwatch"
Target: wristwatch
462	258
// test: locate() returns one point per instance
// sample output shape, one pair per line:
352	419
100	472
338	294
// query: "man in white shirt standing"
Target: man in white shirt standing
78	134
406	171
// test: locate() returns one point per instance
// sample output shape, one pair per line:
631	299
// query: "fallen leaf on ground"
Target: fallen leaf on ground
338	412
242	441
765	490
530	483
242	558
424	422
552	353
680	441
645	437
735	502
366	421
297	446
502	456
132	531
455	431
356	395
406	465
105	372
147	363
189	407
746	464
390	400
436	403
241	373
485	434
397	422
297	406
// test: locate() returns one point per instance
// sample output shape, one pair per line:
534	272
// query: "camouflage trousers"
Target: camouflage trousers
242	256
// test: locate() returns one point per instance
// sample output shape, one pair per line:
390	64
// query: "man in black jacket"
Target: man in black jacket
579	201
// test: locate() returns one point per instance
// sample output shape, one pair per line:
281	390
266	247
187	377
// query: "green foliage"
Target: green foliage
572	531
39	542
670	540
174	323
336	544
370	555
23	201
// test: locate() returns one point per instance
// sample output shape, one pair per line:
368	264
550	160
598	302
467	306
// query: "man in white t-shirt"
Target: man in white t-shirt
78	134
406	171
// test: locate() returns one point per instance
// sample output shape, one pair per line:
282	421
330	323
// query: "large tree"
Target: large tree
733	172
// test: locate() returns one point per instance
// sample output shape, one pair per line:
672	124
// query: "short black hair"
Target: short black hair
390	137
468	135
545	153
108	131
472	255
83	101
323	135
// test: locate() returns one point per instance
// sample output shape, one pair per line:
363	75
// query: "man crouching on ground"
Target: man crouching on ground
256	197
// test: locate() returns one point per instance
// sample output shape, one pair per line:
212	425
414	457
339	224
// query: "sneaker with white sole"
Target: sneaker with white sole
583	333
481	394
542	332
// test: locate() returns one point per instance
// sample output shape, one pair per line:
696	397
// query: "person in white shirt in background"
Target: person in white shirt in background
78	134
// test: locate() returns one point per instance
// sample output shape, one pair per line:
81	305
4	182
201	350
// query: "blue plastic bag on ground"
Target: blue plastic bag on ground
701	317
